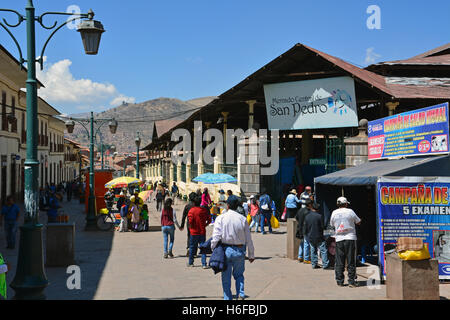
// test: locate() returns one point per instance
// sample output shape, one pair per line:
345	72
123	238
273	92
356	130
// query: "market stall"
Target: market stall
387	192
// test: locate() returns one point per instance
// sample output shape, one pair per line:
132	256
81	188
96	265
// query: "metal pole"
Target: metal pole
137	160
30	280
91	219
103	162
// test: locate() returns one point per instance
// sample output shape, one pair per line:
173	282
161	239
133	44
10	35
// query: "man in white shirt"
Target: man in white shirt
344	221
231	228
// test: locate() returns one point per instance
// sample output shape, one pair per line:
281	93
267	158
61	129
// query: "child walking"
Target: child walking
144	217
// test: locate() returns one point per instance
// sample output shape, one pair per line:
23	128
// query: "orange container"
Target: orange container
101	178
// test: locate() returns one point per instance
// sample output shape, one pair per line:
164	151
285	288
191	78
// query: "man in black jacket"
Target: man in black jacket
313	232
184	220
304	249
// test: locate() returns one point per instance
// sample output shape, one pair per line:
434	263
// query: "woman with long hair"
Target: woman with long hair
206	199
168	222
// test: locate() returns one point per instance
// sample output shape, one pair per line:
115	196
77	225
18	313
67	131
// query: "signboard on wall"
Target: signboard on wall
417	207
311	104
414	133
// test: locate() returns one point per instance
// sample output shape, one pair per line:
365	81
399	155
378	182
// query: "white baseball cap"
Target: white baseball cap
342	200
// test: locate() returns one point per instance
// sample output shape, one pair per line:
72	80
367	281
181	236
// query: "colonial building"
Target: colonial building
72	160
13	137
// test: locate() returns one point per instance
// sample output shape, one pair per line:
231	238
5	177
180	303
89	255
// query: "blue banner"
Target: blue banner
418	208
414	133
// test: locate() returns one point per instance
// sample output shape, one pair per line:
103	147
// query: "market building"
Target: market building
314	148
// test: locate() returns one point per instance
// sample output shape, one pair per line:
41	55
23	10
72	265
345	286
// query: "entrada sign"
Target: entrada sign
312	104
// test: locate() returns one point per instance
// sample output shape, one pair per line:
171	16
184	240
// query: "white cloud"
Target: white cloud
121	99
61	88
371	56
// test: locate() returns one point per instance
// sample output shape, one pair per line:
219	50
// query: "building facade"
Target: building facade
13	136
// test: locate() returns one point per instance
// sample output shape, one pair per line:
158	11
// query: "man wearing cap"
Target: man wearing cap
232	230
291	204
344	220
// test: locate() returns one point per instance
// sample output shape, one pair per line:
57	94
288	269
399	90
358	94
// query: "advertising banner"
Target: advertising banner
415	207
311	104
414	133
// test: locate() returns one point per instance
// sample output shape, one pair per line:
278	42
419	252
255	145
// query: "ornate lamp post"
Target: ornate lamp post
138	145
91	224
30	280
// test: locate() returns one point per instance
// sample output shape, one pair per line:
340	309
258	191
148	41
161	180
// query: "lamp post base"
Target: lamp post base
91	219
30	280
91	226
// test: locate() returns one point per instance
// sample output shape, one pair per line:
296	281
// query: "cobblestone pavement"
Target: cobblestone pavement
122	266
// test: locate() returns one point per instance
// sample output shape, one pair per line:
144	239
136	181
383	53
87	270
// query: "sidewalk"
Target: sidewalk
122	266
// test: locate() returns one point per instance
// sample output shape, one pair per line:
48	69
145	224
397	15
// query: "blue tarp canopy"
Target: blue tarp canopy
368	173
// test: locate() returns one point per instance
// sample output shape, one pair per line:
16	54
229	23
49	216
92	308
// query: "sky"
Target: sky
190	49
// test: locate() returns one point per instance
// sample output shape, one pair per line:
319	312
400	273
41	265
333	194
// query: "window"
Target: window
4	115
24	132
13	111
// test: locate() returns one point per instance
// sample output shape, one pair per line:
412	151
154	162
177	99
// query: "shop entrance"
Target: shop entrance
335	155
363	202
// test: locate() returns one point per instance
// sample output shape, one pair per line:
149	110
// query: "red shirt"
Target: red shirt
199	218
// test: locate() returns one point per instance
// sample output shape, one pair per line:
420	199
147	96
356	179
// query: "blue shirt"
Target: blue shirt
291	201
124	211
54	205
265	200
11	213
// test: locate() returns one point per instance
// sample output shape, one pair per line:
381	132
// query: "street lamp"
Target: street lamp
138	145
91	224
91	33
30	280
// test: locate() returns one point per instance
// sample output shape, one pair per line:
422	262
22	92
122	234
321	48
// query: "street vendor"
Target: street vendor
137	200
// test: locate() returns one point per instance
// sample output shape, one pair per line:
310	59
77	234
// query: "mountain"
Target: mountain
138	117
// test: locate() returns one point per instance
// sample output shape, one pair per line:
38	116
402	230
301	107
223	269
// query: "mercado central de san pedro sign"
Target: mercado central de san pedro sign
311	104
415	133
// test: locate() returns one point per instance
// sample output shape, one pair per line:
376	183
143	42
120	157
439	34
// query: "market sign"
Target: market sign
414	133
312	104
417	207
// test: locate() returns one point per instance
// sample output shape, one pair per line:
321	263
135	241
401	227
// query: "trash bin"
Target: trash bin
60	245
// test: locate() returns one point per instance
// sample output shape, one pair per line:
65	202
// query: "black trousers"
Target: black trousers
291	213
159	204
345	252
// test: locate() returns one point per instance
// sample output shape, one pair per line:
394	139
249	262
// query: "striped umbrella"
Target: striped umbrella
123	182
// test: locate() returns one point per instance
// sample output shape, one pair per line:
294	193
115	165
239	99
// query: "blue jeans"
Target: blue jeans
304	250
266	215
323	253
194	241
11	230
255	221
235	258
168	232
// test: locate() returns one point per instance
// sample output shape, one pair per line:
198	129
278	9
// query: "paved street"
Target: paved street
122	266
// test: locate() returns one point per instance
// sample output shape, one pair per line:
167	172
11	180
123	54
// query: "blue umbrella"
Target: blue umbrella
219	178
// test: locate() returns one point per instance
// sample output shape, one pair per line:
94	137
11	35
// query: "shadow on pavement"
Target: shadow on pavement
92	250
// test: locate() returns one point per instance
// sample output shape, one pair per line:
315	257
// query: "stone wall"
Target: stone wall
356	148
